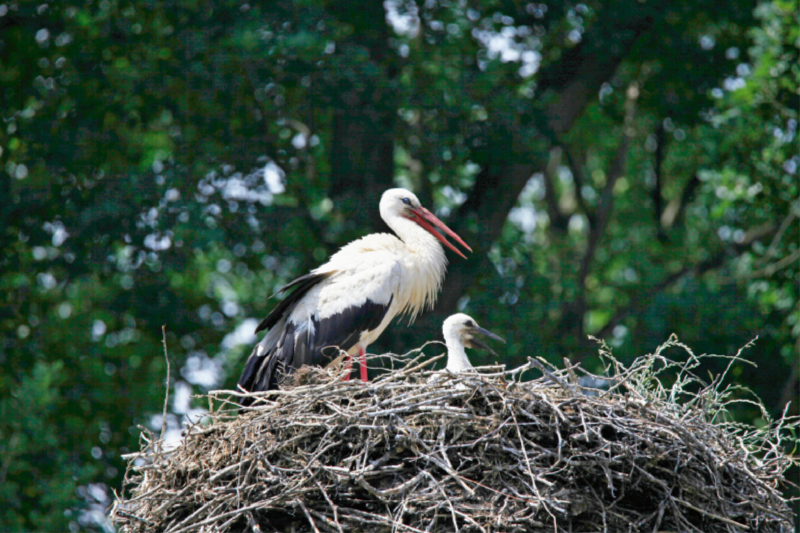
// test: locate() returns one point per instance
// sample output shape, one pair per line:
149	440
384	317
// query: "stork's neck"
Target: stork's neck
457	359
425	261
417	240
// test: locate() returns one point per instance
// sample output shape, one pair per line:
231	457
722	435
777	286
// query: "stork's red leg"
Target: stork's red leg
348	364
362	356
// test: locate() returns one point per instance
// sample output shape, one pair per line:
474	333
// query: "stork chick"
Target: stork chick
459	331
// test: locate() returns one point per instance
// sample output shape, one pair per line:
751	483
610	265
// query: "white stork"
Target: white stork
459	331
346	303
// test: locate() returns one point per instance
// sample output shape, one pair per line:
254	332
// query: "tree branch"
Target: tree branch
658	201
364	118
577	77
773	246
572	82
490	206
575	166
673	213
573	312
557	219
642	300
605	208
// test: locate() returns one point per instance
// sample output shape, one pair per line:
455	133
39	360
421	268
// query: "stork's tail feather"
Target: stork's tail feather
259	374
248	377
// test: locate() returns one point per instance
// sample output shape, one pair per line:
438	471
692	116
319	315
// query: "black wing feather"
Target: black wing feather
303	284
343	330
318	346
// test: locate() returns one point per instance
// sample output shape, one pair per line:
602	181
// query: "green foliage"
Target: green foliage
172	163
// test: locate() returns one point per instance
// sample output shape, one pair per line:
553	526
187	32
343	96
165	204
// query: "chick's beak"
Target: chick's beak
475	343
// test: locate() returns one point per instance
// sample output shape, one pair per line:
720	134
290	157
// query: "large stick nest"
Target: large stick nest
478	452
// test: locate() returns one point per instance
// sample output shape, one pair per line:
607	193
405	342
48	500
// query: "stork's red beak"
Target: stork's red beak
427	220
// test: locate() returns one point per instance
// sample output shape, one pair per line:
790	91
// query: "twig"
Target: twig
552	377
711	515
308	515
166	394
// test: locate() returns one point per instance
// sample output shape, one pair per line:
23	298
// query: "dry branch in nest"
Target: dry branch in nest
478	452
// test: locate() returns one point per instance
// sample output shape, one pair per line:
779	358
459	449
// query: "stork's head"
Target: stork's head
464	328
403	203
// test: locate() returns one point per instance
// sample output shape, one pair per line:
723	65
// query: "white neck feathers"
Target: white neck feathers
425	263
457	359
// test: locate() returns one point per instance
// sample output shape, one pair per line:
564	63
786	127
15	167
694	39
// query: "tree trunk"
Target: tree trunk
362	148
574	81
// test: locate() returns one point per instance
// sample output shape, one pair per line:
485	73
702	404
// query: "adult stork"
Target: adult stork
346	303
459	331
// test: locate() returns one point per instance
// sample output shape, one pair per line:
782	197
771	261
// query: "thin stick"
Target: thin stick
553	377
166	395
308	515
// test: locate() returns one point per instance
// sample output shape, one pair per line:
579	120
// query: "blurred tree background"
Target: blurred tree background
621	169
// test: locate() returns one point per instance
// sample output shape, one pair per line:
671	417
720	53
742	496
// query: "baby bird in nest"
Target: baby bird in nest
459	331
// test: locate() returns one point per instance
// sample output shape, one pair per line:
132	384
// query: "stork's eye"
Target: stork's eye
472	324
406	201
